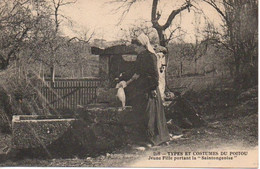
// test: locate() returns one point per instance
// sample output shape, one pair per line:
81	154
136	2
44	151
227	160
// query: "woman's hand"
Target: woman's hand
154	93
135	76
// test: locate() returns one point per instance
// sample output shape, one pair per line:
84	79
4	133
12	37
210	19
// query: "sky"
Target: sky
100	16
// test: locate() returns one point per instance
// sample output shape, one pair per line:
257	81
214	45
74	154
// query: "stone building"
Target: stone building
113	61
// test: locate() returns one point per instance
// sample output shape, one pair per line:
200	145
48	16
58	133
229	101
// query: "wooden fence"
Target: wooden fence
69	93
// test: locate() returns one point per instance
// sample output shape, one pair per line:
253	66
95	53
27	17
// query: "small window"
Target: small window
129	58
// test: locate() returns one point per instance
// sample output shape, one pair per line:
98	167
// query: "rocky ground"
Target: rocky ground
231	124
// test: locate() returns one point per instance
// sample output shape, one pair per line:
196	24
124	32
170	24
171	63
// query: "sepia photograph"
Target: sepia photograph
129	83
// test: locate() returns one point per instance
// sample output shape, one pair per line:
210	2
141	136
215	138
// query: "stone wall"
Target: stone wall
91	131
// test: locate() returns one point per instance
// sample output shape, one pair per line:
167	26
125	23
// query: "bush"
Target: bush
19	92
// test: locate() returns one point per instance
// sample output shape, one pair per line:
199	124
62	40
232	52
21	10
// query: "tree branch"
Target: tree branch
125	6
214	5
81	40
16	46
153	15
174	13
171	34
67	3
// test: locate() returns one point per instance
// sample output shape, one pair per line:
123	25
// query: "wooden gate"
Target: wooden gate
70	93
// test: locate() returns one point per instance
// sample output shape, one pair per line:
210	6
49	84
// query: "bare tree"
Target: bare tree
185	52
57	4
198	50
155	17
16	22
239	32
83	35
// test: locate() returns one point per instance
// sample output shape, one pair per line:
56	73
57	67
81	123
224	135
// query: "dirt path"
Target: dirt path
214	139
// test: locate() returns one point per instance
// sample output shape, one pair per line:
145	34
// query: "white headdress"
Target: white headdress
144	40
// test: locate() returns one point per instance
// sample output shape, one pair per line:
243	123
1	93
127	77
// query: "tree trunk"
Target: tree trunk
52	69
162	37
155	16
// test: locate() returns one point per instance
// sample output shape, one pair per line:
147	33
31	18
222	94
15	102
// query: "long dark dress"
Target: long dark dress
150	109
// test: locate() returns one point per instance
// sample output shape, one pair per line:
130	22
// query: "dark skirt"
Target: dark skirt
157	131
150	118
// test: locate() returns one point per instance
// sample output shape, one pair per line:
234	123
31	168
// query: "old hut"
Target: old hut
115	60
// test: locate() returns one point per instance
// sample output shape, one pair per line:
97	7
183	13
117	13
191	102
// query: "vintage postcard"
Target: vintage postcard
129	83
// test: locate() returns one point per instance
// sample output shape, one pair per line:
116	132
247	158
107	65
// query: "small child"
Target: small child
121	85
121	92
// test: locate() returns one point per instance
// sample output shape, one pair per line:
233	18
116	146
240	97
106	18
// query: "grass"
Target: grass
197	83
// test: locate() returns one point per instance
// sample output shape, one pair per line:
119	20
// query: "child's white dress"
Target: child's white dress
121	92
